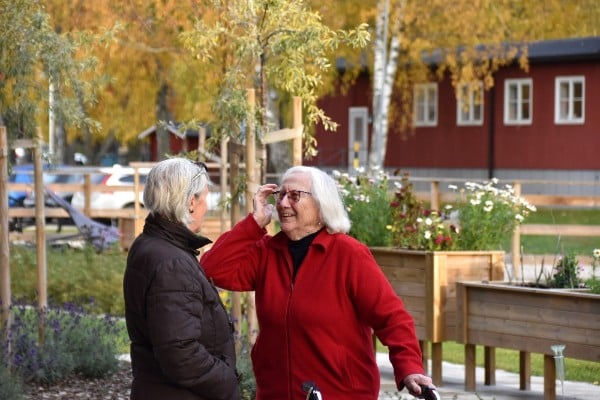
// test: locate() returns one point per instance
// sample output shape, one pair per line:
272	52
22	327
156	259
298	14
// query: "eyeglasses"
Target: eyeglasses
292	195
203	169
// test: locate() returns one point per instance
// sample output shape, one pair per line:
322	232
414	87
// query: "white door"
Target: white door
358	140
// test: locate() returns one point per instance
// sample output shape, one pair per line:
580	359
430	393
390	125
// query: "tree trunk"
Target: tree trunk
384	74
162	114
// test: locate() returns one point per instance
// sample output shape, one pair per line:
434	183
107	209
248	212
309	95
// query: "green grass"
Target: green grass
544	215
550	244
508	360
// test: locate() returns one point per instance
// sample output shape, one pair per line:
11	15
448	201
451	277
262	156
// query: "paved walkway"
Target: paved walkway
506	388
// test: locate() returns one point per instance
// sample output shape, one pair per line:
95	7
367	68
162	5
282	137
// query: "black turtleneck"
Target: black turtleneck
299	248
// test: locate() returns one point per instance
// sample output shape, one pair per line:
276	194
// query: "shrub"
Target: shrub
488	214
367	200
11	386
416	227
483	216
593	283
83	277
566	273
244	367
71	341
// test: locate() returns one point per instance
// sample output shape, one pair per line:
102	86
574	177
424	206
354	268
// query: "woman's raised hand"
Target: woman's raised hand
263	211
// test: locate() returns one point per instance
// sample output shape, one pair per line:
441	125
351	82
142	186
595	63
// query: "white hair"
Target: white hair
324	191
170	186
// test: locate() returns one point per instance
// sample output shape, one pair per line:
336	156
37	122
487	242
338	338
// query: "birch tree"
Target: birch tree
467	40
385	65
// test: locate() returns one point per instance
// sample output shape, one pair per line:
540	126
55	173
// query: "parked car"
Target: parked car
112	176
25	174
18	174
122	176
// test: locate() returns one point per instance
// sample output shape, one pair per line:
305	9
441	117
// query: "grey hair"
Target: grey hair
170	186
324	190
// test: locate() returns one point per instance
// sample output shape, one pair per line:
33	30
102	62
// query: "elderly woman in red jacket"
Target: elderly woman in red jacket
320	295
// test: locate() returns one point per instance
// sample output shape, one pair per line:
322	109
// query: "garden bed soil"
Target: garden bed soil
114	387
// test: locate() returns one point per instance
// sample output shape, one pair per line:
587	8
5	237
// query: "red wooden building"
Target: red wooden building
178	141
544	123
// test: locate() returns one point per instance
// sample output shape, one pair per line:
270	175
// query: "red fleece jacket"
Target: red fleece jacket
318	326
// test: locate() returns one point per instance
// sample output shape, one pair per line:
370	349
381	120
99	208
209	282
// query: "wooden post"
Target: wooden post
425	354
251	182
251	187
201	142
470	367
40	233
236	297
40	224
489	357
5	294
524	370
223	180
436	363
549	378
516	241
435	196
297	124
87	194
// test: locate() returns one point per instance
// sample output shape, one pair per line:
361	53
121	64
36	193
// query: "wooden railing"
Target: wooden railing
434	195
437	197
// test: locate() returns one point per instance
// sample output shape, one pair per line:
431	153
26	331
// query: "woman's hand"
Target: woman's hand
413	383
263	211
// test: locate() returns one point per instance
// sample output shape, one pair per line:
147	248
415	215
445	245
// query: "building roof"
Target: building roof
586	48
570	49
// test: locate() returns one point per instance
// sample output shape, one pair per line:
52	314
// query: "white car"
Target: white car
122	176
112	176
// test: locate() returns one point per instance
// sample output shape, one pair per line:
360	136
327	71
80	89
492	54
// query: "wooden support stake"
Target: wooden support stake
489	357
40	218
524	370
549	378
297	124
5	293
470	364
516	241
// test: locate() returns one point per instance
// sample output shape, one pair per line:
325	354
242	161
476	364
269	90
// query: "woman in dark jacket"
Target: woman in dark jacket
181	338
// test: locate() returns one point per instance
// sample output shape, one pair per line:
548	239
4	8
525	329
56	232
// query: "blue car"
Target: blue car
25	174
19	174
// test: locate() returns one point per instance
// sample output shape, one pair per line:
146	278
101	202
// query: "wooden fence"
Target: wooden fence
435	195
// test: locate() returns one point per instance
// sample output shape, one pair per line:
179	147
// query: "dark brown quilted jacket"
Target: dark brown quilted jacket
181	338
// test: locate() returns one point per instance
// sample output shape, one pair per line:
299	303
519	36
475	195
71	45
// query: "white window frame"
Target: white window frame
358	137
471	113
425	104
564	101
514	107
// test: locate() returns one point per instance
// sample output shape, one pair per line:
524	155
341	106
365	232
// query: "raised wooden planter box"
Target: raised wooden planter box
530	320
425	281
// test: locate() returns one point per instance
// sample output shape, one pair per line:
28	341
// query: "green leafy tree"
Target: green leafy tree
267	44
33	55
149	76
